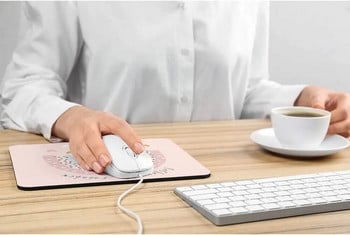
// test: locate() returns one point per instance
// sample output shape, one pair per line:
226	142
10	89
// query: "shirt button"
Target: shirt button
184	99
185	52
181	5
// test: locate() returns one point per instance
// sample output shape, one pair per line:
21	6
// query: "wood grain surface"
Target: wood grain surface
224	147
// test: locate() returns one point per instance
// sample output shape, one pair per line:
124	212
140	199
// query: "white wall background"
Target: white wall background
9	22
309	43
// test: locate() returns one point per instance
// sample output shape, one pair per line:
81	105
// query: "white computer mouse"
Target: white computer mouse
125	163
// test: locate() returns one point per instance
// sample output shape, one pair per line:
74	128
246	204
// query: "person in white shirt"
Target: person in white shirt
85	69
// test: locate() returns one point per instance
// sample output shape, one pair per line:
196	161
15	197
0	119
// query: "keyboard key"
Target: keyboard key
238	210
221	199
199	192
286	204
238	204
203	196
222	212
270	206
253	202
255	208
205	202
217	206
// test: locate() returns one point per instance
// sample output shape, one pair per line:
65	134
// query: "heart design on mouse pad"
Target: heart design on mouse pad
157	157
68	163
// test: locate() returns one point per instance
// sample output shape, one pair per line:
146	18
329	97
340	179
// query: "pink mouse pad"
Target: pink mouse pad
45	166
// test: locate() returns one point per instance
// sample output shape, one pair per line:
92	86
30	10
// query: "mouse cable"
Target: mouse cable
130	212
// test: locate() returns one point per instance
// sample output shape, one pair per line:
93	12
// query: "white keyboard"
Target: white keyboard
269	198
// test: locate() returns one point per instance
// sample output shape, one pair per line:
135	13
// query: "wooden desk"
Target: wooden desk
224	147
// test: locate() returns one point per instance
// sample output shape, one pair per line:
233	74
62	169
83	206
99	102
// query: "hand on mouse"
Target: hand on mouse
338	103
84	129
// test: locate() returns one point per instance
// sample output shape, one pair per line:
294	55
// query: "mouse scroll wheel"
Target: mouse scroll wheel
129	151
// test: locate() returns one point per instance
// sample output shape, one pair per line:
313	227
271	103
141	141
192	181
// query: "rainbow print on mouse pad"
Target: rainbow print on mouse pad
45	166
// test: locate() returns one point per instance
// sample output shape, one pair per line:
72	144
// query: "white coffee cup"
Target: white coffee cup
300	127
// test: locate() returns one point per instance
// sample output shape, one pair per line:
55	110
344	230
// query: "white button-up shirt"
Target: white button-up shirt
143	61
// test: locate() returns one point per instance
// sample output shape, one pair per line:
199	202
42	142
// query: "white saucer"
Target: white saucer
267	140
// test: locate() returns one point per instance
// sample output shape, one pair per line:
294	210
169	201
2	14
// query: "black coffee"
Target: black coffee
303	114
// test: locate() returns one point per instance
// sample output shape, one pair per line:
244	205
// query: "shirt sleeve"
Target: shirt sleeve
264	94
34	89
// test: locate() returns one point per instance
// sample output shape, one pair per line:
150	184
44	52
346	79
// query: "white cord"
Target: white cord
126	210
